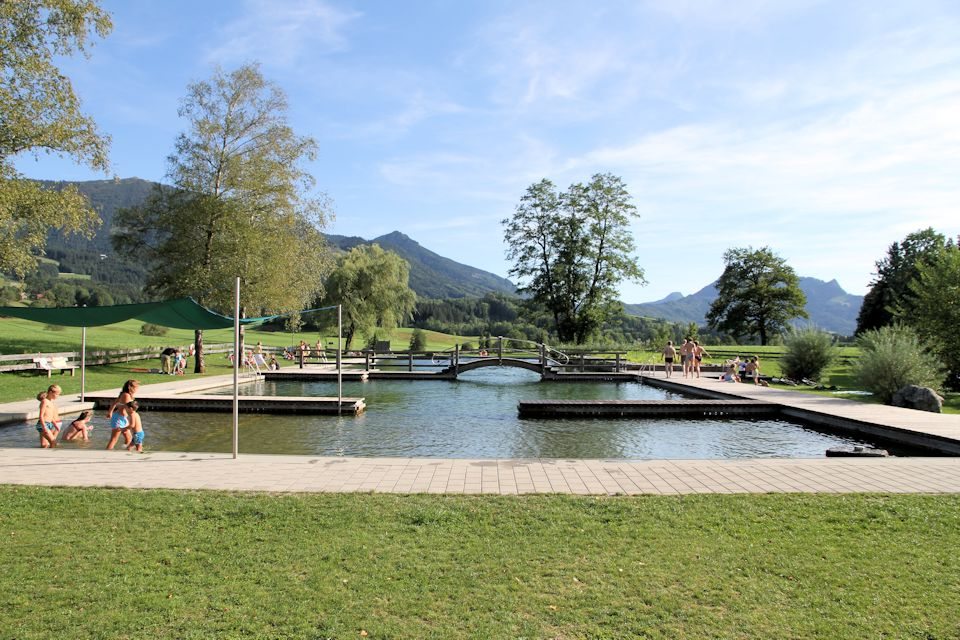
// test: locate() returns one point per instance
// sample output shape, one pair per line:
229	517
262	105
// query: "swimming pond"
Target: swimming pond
473	417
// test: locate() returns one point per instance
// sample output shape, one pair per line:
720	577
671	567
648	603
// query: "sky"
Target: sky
823	130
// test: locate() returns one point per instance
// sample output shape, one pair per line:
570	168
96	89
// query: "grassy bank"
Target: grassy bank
22	336
160	564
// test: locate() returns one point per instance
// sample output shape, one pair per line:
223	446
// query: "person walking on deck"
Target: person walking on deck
669	353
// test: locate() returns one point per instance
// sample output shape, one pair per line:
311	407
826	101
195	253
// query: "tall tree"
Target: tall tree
372	285
40	113
890	292
239	204
570	251
935	308
758	293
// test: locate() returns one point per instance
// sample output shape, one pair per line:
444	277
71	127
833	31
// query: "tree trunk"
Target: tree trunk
199	366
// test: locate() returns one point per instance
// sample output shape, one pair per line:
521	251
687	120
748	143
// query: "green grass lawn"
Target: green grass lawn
97	563
22	336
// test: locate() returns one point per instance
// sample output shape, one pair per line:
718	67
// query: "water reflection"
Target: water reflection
474	417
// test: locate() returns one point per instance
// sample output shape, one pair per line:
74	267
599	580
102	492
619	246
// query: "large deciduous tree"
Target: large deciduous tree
935	308
372	285
889	293
239	204
570	251
757	294
40	113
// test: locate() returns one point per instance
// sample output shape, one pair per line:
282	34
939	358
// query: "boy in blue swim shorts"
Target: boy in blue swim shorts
136	427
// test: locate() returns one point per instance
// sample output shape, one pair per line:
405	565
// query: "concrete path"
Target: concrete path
938	425
171	470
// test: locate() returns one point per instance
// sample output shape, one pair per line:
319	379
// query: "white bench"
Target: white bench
51	364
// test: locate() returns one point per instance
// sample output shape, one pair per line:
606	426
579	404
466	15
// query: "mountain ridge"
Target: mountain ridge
830	307
431	275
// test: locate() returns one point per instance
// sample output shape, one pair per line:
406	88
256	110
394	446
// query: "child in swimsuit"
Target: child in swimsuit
80	428
118	420
136	426
48	423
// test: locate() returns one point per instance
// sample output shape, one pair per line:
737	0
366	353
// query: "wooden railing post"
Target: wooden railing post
618	362
456	360
500	348
410	361
366	360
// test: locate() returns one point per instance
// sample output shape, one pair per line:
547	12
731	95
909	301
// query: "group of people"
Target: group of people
173	361
691	355
736	370
123	415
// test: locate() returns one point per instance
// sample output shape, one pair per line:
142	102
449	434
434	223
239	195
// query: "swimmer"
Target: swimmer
48	422
136	426
118	421
79	428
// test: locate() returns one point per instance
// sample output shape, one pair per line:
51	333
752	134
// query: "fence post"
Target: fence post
618	362
300	351
582	367
456	360
500	349
410	361
366	360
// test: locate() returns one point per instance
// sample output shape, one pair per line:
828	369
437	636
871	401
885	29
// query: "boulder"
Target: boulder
914	397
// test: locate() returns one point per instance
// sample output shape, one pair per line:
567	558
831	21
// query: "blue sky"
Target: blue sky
825	130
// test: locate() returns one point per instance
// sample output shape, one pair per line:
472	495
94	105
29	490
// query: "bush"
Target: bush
468	346
54	327
894	357
149	329
808	352
418	340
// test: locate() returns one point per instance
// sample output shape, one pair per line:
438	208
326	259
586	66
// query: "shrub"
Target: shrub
150	329
892	358
467	346
418	340
808	352
54	327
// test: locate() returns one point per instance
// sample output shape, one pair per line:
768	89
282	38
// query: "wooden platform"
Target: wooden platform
246	404
645	408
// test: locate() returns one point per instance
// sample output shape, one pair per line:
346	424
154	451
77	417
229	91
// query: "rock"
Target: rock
914	397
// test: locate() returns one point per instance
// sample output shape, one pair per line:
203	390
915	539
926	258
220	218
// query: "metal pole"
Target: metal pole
339	357
83	362
236	369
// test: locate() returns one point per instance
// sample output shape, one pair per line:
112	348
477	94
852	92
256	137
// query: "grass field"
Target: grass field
22	336
160	564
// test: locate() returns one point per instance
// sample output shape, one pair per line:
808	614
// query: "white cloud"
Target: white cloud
281	33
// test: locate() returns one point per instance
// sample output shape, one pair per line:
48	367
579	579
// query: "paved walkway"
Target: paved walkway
169	470
944	426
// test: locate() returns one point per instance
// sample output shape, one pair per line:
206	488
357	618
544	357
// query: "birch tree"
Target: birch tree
240	203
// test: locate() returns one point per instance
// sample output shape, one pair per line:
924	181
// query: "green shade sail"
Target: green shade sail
181	313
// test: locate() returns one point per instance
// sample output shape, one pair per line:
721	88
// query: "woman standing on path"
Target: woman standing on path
48	423
119	423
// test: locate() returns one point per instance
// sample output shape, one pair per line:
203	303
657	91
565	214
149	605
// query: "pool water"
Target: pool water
474	417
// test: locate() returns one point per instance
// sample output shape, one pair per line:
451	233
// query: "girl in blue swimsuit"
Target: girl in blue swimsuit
118	421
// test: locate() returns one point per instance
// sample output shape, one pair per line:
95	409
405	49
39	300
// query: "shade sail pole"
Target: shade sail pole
236	368
83	362
339	357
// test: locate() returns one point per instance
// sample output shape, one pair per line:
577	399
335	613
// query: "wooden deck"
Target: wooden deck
246	404
935	432
645	408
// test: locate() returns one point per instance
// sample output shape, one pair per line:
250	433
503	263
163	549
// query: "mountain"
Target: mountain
830	307
106	196
431	275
